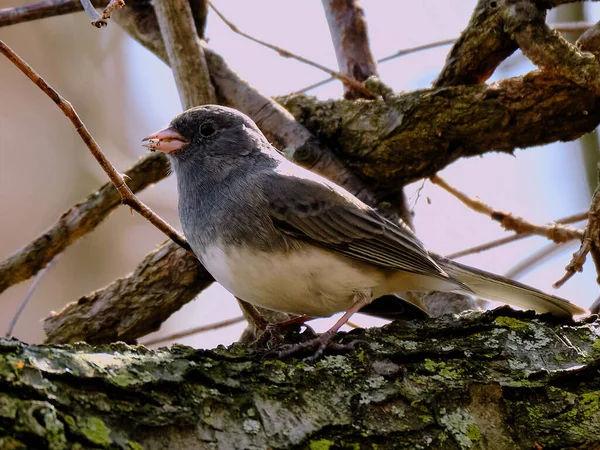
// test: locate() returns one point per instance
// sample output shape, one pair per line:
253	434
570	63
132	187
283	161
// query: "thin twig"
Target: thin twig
196	330
535	258
287	54
555	232
95	18
590	242
34	284
112	5
515	237
398	54
576	263
117	179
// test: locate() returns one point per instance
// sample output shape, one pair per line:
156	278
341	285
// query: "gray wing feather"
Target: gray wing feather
323	214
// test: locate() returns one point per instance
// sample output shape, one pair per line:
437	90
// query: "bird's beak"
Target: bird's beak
167	140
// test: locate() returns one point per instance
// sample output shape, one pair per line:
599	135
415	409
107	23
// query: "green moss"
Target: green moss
511	322
96	431
321	444
442	369
473	433
132	445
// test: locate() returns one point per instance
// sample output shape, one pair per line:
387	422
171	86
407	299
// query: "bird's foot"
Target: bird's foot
275	335
316	345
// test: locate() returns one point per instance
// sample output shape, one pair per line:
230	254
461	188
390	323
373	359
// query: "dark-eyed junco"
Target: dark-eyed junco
280	237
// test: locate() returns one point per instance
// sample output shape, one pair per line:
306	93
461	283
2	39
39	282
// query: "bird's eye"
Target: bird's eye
206	129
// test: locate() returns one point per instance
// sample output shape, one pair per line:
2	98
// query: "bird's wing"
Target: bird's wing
312	209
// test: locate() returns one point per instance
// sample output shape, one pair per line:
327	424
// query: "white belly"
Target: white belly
308	281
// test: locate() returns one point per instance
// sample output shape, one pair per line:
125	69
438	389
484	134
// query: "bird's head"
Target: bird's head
207	131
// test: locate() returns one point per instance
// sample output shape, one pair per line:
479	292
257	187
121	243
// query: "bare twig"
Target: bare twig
127	195
34	284
515	237
534	259
112	6
196	330
95	18
576	263
287	54
555	232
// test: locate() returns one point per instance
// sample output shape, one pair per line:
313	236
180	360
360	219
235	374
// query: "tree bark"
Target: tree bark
495	380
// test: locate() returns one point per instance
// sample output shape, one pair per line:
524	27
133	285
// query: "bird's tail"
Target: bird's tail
505	290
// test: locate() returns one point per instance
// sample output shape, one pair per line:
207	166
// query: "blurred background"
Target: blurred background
122	93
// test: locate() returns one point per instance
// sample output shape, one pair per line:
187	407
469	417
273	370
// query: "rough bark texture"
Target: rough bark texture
413	135
499	380
135	305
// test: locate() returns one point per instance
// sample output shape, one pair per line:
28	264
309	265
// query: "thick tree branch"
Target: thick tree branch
412	136
481	47
501	379
133	306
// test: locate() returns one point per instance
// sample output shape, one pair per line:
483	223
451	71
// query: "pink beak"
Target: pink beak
167	140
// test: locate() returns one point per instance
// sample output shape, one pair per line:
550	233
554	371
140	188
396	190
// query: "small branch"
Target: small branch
95	18
515	237
555	232
186	55
348	28
112	6
34	284
115	177
196	330
359	87
590	243
534	259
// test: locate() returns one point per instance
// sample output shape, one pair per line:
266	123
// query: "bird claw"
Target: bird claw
275	334
318	345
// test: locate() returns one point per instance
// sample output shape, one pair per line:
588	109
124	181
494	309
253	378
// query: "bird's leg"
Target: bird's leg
323	341
269	334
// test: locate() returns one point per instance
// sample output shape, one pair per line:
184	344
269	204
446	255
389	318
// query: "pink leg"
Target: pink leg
324	340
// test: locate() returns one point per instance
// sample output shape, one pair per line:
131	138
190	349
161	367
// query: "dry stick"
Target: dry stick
95	18
515	237
196	330
115	177
287	54
557	233
34	284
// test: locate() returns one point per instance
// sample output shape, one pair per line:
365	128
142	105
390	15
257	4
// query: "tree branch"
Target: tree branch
413	135
525	382
186	55
133	306
348	28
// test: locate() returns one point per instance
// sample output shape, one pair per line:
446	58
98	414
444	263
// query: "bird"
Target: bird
281	237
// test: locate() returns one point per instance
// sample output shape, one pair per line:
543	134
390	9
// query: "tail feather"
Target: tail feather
505	290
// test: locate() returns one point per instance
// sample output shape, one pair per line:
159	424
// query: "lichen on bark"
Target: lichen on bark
500	379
